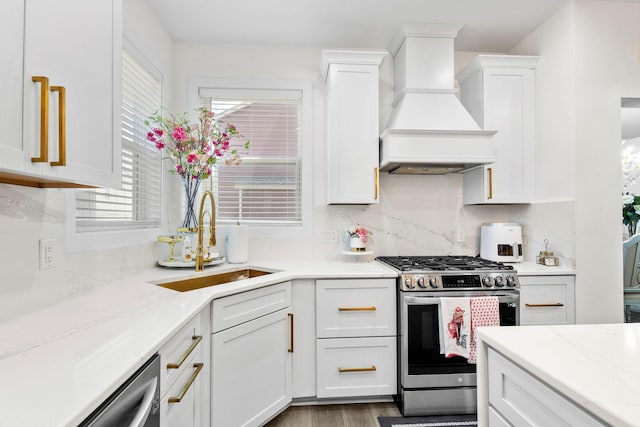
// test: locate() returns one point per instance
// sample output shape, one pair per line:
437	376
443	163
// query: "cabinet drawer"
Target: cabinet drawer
178	351
495	419
186	388
239	308
523	400
350	367
355	308
547	300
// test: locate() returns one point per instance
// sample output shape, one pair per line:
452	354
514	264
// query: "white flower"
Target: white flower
627	198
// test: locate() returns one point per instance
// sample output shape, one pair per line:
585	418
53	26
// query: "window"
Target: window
138	204
266	189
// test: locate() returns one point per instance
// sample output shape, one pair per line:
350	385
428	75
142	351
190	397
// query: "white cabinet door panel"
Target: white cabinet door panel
356	307
349	367
251	371
523	400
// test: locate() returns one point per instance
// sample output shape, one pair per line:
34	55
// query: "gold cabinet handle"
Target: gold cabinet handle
44	118
376	174
372	308
194	344
555	304
372	368
290	349
62	126
187	386
490	170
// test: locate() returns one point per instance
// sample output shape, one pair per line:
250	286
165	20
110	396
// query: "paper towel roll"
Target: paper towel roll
238	244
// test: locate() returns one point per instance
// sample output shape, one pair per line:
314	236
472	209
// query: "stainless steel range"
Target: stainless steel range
429	382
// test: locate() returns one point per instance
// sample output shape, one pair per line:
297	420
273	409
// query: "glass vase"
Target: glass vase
191	186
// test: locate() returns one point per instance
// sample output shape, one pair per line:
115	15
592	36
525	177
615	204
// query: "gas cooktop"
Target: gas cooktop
437	273
442	263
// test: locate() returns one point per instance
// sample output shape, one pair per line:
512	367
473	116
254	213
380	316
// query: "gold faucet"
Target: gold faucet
212	229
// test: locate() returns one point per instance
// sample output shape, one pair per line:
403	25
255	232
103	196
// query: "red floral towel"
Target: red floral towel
485	311
454	326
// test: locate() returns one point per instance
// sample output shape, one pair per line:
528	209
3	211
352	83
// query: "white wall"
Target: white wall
607	45
30	214
416	215
589	60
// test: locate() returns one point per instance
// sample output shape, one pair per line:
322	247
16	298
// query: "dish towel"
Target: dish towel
454	326
485	311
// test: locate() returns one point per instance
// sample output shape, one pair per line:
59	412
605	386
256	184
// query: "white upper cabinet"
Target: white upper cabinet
352	125
69	96
499	92
11	34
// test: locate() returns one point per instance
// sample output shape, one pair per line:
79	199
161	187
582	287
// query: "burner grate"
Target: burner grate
442	263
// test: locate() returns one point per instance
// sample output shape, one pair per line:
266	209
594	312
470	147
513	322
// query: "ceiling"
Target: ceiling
490	25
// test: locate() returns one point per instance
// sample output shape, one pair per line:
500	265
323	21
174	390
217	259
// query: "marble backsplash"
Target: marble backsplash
417	215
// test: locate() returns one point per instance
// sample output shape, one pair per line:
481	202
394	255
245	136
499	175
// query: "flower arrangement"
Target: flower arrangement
359	231
193	147
630	211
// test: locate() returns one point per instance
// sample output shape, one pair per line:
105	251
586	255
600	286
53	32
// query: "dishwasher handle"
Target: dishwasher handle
145	406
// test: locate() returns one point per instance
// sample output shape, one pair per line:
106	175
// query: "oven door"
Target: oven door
421	363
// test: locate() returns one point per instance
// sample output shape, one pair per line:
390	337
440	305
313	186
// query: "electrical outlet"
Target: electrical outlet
328	236
47	254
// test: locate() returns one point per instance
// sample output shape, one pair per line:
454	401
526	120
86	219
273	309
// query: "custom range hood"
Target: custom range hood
429	130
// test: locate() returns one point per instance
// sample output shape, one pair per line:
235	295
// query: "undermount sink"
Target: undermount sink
213	280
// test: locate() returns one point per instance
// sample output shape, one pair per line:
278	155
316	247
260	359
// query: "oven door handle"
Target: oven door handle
436	300
422	300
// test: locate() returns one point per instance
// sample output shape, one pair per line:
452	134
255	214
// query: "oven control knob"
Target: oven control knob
420	282
408	282
487	281
499	281
511	280
433	282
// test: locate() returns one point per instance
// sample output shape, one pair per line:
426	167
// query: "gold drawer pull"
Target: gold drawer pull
372	368
186	388
194	344
490	170
290	349
555	304
62	126
372	308
376	174
44	118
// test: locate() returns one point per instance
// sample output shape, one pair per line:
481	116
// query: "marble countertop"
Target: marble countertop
596	366
533	269
58	364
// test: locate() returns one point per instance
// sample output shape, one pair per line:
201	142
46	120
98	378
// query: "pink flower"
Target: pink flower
150	136
191	157
217	152
159	145
158	131
179	134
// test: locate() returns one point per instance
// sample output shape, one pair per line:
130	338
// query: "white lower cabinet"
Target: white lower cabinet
356	338
184	380
351	367
547	300
251	359
303	306
518	398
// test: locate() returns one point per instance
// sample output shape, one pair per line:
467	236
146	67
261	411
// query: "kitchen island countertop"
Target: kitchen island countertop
595	366
58	364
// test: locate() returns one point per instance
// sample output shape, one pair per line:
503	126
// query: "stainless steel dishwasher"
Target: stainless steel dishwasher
136	403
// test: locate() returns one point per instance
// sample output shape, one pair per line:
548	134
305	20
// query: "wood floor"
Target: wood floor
352	415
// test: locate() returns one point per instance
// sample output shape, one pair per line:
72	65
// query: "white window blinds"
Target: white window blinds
138	204
265	188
